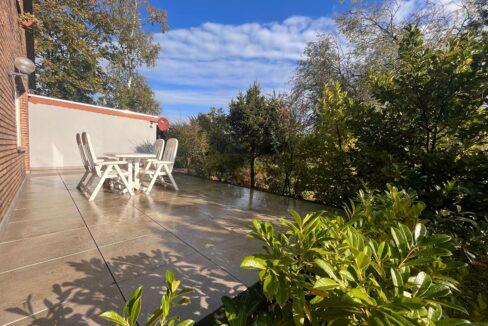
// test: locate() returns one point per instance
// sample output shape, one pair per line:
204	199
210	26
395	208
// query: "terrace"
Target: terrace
65	259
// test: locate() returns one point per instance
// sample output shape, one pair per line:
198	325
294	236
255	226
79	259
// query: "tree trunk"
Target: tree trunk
286	185
134	19
252	171
339	137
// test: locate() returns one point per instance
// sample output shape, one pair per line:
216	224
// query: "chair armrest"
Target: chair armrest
112	163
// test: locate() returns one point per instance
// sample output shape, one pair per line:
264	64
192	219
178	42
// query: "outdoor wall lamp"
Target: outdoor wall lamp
24	66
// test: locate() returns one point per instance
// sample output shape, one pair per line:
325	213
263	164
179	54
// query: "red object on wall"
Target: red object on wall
163	124
27	22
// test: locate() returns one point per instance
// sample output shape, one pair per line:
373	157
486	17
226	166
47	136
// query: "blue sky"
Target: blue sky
215	48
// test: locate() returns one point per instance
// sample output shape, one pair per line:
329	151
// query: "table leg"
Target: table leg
137	182
130	177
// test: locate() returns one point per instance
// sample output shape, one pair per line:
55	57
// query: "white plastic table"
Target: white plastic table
134	159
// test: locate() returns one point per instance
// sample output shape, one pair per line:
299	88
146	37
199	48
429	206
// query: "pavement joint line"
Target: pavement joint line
25	317
28	220
46	261
96	244
112	222
126	240
40	235
198	251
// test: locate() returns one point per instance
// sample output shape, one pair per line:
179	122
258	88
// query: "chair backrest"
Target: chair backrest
159	148
170	152
82	152
90	154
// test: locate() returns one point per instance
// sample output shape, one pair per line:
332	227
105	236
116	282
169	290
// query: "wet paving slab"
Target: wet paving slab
64	259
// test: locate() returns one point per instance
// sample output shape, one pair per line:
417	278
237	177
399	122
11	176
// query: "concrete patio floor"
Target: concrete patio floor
63	259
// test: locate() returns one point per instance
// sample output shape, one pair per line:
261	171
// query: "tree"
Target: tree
327	150
284	169
223	160
139	97
431	115
373	28
69	49
192	146
477	15
251	125
91	49
322	64
369	41
132	48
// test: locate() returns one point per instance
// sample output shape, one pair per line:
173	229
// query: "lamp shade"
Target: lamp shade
163	124
24	65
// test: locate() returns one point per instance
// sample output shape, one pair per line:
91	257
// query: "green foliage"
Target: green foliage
251	123
132	308
223	159
139	97
69	49
283	170
132	48
423	125
433	123
193	145
238	311
77	39
469	231
383	210
330	173
206	148
323	270
321	65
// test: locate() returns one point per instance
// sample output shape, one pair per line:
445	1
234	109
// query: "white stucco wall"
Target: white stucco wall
52	131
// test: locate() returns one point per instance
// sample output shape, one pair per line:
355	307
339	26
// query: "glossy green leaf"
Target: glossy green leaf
326	284
282	292
420	232
437	291
397	281
115	317
363	260
170	277
154	318
422	283
253	262
134	311
457	322
325	267
436	239
400	241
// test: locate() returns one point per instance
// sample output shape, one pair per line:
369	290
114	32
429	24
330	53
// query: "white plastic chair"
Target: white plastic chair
158	151
159	147
163	165
84	160
104	170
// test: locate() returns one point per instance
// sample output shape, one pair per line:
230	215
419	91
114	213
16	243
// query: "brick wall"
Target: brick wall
13	162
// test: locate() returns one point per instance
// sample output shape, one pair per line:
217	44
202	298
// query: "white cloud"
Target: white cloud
212	41
406	8
215	61
215	98
451	10
207	65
